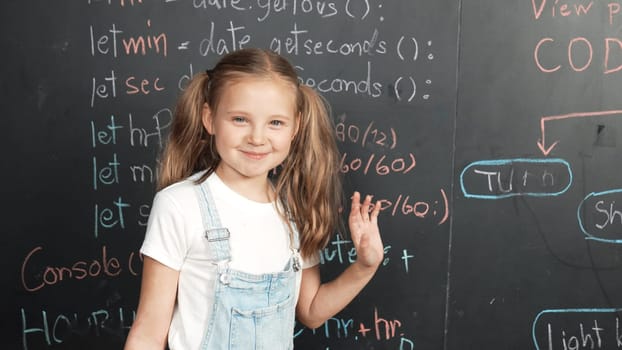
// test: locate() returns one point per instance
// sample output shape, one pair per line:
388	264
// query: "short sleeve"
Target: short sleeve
166	237
311	260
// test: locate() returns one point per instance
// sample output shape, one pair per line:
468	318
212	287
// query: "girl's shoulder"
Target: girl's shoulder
182	192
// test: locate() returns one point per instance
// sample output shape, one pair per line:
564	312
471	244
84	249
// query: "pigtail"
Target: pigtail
188	144
310	180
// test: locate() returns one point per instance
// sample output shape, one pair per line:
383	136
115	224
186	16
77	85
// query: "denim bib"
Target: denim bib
250	311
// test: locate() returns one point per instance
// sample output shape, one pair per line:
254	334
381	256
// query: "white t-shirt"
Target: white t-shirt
175	237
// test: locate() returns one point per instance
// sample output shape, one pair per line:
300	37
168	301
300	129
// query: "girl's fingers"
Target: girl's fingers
356	197
365	208
375	212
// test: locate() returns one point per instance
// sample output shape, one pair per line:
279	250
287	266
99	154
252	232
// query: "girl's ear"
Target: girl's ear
206	119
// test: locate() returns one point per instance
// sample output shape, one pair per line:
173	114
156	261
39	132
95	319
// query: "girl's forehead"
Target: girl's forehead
273	80
259	86
247	92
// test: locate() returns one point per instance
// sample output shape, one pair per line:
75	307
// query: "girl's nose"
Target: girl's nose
257	136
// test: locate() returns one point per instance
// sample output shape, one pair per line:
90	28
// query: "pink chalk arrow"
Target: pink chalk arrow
542	142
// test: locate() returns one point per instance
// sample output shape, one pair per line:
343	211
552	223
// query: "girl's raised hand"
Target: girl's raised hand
364	230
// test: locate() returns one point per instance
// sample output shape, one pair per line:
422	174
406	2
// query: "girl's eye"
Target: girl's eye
239	119
276	123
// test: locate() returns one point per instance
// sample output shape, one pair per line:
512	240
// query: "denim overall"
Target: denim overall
250	311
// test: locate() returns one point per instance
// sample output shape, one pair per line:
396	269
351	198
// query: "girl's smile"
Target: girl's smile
255	155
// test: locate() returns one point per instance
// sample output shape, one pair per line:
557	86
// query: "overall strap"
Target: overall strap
294	241
217	236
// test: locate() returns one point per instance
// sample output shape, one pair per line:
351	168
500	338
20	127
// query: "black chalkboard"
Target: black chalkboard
489	129
537	266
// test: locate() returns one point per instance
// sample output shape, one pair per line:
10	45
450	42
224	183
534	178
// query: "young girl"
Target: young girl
232	246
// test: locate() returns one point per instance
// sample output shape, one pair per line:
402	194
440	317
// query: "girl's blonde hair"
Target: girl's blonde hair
308	183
